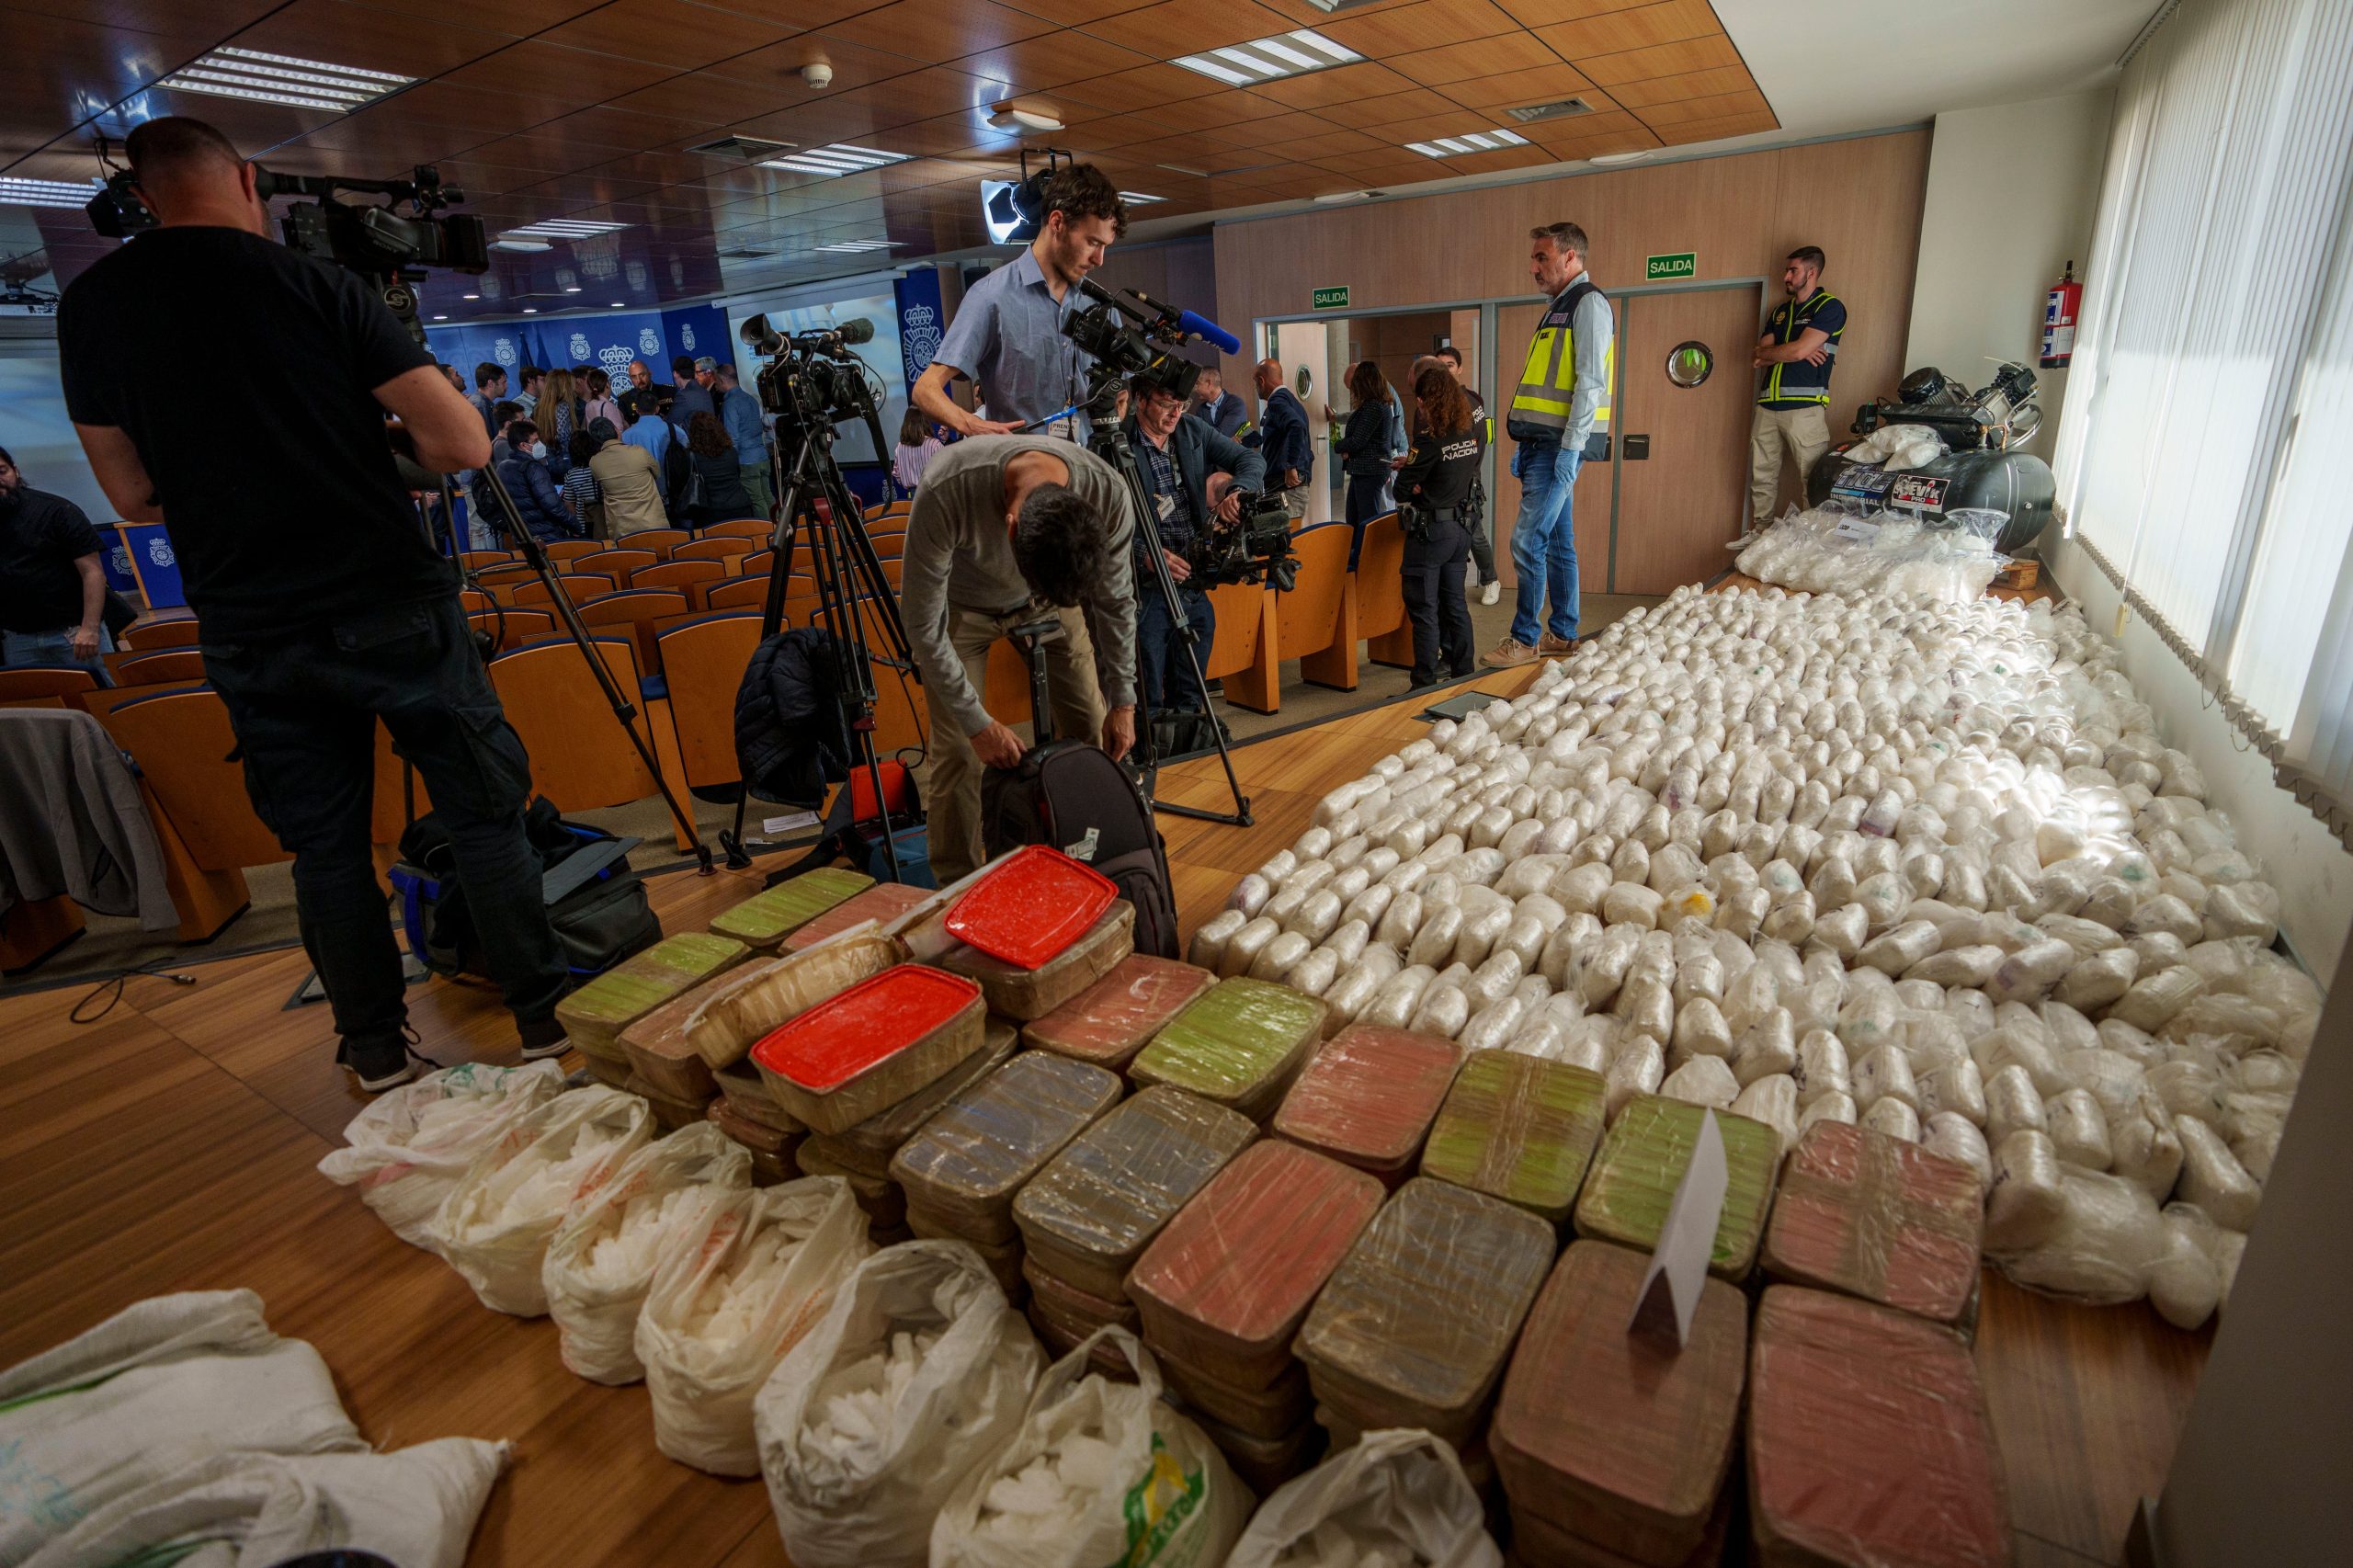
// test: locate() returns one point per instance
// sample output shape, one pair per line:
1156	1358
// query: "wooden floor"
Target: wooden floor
170	1145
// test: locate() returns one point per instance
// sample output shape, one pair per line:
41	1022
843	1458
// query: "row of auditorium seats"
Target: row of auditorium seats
684	667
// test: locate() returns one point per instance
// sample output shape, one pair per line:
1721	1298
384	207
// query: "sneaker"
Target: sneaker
1550	647
380	1064
543	1037
1509	652
1491	593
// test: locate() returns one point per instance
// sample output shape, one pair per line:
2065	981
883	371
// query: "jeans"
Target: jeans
1435	603
1368	498
1544	542
304	709
55	647
1168	677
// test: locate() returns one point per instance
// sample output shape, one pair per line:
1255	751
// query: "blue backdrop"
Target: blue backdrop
610	340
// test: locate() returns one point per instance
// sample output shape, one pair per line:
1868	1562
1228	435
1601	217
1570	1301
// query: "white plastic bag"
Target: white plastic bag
860	1456
416	1507
409	1147
600	1263
730	1296
165	1383
1400	1493
496	1222
1101	1471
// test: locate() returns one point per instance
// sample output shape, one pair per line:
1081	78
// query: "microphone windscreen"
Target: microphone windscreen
1186	321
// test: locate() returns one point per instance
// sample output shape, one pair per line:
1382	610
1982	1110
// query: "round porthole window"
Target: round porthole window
1689	364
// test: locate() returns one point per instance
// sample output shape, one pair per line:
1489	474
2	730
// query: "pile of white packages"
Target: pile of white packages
1834	549
1917	864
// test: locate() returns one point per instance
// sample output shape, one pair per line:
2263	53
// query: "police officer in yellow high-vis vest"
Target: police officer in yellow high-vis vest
1799	346
1559	417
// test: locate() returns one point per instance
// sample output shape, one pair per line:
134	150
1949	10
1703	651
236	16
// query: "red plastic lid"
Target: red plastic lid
843	1036
1032	907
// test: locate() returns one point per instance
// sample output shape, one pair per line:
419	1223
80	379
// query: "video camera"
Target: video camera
381	244
812	379
1254	549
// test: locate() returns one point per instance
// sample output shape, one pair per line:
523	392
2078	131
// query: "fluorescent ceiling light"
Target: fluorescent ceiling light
17	192
1270	59
861	245
1470	145
561	229
530	310
619	303
284	79
441	318
473	296
836	160
504	243
1139	197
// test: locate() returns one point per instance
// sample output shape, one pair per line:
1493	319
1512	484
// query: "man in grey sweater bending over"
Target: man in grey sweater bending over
1007	529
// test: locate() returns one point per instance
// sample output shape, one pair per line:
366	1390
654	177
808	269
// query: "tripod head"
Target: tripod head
812	383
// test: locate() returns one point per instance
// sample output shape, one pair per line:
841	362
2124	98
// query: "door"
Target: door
1515	324
1682	452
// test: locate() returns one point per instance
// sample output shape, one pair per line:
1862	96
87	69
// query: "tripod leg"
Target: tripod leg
731	839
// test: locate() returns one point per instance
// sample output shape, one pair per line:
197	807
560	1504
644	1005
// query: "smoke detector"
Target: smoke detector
817	74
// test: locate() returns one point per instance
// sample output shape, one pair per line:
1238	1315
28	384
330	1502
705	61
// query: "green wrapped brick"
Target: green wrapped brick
1643	1160
1239	1044
595	1015
763	921
1518	1128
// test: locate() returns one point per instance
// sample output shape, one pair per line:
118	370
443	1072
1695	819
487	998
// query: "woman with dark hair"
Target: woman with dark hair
1363	448
917	446
720	475
1434	501
581	492
597	400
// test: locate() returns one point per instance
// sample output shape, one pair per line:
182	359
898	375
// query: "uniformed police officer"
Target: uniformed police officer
1796	352
1560	415
1437	500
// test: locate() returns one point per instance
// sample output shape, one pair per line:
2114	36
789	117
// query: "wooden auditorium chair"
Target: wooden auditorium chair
637	608
1315	622
164	666
1381	593
683	575
165	631
620	564
739	527
581	757
703	660
724	549
661	542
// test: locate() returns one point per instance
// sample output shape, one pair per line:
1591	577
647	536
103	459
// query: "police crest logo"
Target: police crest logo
502	351
615	359
159	551
579	347
687	336
649	341
919	337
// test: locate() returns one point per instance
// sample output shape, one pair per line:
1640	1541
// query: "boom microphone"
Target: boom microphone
1202	326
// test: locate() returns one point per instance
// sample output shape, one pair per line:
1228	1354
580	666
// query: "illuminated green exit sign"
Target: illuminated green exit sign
1666	269
1332	299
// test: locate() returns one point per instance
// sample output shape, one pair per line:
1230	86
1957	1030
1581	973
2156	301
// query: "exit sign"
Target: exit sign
1666	269
1332	299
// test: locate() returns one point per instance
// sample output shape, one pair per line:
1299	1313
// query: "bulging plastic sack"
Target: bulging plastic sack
919	1373
1396	1496
496	1222
408	1148
1101	1471
729	1299
2106	1238
601	1261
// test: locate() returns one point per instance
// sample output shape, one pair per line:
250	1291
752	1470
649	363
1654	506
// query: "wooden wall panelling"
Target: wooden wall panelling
1679	506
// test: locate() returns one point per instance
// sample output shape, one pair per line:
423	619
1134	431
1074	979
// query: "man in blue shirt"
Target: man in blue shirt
1288	451
653	434
1007	334
1224	410
1190	473
740	412
1799	346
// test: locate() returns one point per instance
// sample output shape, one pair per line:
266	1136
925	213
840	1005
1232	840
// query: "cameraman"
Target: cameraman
1194	476
1007	334
323	606
1006	529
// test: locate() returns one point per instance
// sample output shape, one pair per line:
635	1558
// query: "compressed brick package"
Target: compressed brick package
1518	1128
1025	994
1096	1205
1642	1162
748	1003
884	902
870	1146
1878	1218
1109	1021
1228	1281
977	1151
1265	1412
595	1015
1367	1097
1415	1326
762	921
1617	1437
871	1046
1239	1043
1868	1439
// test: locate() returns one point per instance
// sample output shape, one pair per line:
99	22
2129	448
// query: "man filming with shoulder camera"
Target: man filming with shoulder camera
322	607
1006	529
1194	476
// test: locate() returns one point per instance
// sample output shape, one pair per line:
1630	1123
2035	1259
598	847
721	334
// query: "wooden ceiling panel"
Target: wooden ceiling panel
1622	133
1389	165
1717	130
346	33
1185	26
574	77
1217	110
1614	32
1458	121
1070	13
1338	85
1721	106
1480	57
531	149
1273	132
676	33
1662	60
1139	88
1389	108
1498	161
1312	149
953	135
520	19
1036	65
1403	29
627	130
1689	85
936	30
1126	130
1544	13
183	17
566	192
1545	83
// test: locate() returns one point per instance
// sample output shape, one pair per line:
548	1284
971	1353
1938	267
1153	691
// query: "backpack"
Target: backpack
852	831
596	903
677	474
1072	796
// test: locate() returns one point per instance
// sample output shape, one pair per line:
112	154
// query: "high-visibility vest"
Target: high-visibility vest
1548	381
1795	381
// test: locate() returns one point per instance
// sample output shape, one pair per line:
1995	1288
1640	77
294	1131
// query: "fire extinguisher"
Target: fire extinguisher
2058	308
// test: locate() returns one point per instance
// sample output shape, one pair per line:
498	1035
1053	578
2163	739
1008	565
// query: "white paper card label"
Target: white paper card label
1678	1271
786	824
1855	529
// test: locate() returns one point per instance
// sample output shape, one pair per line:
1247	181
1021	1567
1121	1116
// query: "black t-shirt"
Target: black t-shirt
648	401
276	479
40	537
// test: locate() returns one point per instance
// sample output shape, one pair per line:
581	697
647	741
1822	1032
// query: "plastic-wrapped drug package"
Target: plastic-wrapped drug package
1367	1098
1239	1043
735	1012
747	1094
1269	1411
1642	1162
1413	1327
1263	1463
756	1136
869	1147
871	1046
1226	1283
885	1202
1026	994
1095	1208
1109	1021
1868	1439
1518	1128
1003	1259
1878	1218
1082	1309
965	1165
1537	1542
884	902
595	1015
1061	1337
670	1111
1615	1437
658	1049
763	921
